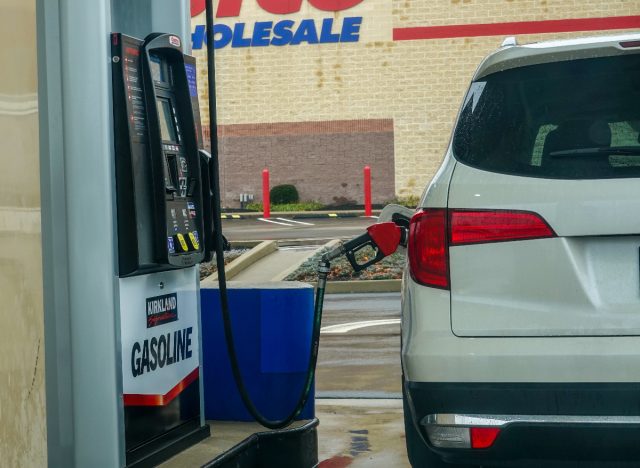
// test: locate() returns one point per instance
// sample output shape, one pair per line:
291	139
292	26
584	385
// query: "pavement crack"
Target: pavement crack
35	370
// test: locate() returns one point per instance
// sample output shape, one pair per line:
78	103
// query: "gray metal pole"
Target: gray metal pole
82	329
57	320
172	16
138	18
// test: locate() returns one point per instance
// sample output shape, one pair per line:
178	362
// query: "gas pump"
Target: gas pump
161	238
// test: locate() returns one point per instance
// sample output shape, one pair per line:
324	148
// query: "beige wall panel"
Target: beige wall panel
419	84
22	394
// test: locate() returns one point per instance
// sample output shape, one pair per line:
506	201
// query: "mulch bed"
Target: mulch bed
390	267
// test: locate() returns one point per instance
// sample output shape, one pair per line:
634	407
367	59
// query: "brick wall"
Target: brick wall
416	84
324	160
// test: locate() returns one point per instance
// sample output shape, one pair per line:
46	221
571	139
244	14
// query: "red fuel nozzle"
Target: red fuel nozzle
386	236
382	238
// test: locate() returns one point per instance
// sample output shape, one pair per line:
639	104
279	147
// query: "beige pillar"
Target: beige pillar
22	394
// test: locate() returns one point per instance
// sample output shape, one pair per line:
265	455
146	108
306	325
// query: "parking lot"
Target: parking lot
358	394
293	227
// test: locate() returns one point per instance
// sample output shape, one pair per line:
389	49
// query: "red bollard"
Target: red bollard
266	202
367	191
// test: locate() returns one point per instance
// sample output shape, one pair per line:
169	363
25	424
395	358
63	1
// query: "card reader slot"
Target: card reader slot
172	168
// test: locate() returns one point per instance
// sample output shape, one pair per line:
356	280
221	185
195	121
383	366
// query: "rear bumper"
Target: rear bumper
551	422
432	353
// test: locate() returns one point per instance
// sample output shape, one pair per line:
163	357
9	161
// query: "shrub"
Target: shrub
410	201
282	194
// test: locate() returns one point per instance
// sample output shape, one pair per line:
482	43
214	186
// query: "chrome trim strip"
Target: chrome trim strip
501	420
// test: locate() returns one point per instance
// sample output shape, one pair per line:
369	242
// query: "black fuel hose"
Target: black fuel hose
323	268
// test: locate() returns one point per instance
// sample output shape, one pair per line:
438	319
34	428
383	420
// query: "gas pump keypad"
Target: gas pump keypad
180	203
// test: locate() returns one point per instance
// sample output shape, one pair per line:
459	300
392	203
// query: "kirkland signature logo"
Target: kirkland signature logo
162	309
278	33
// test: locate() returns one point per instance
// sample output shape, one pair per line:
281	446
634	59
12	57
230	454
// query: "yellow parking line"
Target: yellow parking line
236	216
333	215
223	216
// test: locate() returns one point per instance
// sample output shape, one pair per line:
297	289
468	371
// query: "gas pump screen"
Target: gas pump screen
167	127
157	68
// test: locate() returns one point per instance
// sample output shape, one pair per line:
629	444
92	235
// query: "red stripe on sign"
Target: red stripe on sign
133	399
520	27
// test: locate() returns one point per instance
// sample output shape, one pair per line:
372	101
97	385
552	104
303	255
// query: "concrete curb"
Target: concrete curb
243	262
299	242
362	286
283	274
260	250
299	214
249	244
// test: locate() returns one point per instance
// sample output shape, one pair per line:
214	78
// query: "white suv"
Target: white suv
521	303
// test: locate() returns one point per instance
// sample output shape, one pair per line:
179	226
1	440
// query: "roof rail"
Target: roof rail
509	41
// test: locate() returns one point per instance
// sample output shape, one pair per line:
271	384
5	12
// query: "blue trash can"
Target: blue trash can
271	325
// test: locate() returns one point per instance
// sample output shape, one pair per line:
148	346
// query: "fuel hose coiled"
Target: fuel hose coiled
323	267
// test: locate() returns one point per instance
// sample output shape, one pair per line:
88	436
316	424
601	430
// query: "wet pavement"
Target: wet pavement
286	228
352	433
362	362
361	433
358	393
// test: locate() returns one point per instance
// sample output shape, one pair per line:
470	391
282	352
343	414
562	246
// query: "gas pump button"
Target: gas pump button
181	243
193	237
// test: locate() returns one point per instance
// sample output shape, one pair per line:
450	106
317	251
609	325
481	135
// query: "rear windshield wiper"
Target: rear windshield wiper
597	151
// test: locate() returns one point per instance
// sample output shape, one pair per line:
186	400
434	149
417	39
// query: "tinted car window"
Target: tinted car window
577	119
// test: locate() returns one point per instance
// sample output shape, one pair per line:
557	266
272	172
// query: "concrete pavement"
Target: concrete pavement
274	266
367	433
360	362
354	433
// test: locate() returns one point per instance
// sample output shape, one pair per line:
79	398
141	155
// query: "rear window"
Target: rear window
577	119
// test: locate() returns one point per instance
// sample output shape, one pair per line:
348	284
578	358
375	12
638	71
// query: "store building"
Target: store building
315	90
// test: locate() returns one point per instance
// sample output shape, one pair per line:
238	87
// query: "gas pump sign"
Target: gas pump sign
159	333
160	355
282	32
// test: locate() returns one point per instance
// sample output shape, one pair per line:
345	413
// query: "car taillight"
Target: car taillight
433	230
428	251
474	227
